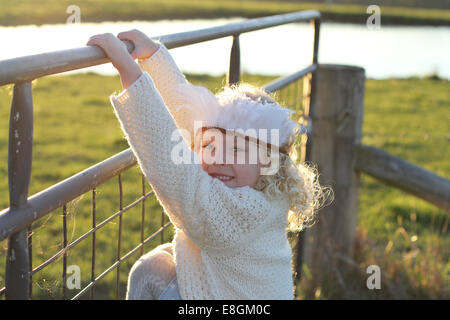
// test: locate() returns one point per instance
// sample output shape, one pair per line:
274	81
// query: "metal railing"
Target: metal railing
16	221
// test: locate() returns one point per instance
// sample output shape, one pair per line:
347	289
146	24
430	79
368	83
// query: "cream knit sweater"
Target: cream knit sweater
230	243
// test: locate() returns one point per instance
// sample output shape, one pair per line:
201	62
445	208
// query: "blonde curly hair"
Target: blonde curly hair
299	181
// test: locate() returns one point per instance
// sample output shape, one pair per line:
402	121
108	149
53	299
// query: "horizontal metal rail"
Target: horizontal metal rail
34	66
282	82
47	200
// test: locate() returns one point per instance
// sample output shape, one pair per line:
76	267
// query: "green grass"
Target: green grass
75	128
410	119
19	12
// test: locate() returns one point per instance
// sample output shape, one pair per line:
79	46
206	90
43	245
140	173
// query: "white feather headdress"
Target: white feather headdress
234	110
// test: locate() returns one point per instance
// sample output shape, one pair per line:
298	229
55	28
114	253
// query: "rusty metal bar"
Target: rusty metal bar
93	242
39	65
30	257
17	280
119	241
316	24
234	73
314	82
34	66
64	273
311	99
53	197
282	82
118	262
191	37
142	213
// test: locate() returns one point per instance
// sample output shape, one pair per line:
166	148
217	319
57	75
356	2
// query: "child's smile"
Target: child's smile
228	163
221	177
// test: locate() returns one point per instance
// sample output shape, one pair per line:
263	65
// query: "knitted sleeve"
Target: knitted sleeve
164	72
170	83
210	213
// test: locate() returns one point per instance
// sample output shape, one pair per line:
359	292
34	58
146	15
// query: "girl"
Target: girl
230	217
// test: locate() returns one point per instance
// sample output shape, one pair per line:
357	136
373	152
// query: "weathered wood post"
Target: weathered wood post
336	114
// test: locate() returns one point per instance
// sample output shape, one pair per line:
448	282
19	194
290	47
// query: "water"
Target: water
392	51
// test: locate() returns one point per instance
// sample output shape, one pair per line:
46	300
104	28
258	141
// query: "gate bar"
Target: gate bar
39	65
17	280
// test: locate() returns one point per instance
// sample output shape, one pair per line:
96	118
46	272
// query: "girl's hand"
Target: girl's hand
144	47
117	52
113	48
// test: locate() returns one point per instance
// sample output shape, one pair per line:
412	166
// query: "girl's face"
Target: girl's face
232	159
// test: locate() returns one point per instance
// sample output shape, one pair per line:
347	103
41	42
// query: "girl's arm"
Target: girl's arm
120	58
154	58
211	214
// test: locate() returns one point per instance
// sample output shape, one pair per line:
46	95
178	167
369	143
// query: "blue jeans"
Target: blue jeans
171	292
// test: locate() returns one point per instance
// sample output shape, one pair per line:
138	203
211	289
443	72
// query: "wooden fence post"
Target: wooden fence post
336	115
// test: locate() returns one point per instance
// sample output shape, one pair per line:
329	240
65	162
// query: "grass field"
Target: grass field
25	12
75	128
408	238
